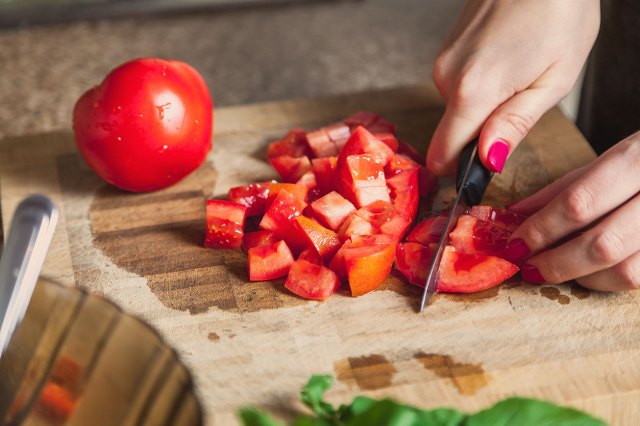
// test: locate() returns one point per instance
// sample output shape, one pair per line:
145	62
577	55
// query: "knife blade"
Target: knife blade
472	179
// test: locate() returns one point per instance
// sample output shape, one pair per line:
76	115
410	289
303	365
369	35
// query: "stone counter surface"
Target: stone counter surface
246	55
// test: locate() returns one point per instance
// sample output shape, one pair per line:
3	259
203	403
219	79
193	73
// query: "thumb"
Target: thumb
507	126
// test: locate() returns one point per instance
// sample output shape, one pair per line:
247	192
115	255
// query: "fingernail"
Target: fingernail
516	250
531	274
498	155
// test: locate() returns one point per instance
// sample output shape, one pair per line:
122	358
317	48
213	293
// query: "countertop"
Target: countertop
246	55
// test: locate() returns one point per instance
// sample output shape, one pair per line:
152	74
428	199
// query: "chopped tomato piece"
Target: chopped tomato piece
500	217
324	241
253	197
290	168
355	225
311	255
389	139
384	218
428	231
476	236
225	224
371	121
403	188
312	281
363	142
327	141
325	170
269	262
368	264
413	261
298	190
278	218
361	180
293	144
468	273
258	238
308	180
398	163
332	209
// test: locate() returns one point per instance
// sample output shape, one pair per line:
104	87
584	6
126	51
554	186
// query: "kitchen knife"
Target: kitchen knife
472	179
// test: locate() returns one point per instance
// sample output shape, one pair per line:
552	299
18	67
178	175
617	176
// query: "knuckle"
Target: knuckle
468	89
629	275
536	233
553	272
520	122
607	248
579	205
440	69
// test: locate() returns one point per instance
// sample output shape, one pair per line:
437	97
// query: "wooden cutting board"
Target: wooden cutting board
255	343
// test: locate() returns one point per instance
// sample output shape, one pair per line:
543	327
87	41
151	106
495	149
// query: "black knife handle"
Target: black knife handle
479	176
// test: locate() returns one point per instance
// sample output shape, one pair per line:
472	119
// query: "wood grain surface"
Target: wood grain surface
255	343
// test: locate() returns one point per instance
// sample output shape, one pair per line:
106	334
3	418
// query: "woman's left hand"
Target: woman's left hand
586	225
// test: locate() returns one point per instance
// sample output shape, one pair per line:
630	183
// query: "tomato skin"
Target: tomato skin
147	125
225	223
269	262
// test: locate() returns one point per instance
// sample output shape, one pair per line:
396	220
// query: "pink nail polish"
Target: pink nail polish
497	155
517	250
531	274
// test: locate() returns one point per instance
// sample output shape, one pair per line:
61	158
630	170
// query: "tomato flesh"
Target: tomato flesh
503	218
413	261
388	139
476	236
279	216
290	168
362	181
258	238
253	197
363	142
324	241
311	281
325	170
355	225
404	193
371	121
293	144
298	190
428	230
332	209
269	262
468	273
327	141
368	264
225	224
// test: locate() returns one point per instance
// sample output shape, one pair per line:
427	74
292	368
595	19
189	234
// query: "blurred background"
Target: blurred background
247	50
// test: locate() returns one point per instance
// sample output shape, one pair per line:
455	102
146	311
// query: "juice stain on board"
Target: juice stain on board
368	372
467	378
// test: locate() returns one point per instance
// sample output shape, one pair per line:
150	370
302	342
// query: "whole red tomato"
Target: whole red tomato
147	125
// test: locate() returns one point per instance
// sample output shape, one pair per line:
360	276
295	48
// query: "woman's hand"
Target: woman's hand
586	225
505	63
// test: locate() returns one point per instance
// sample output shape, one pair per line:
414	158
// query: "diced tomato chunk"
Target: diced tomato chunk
298	190
398	163
476	236
362	181
269	262
355	225
371	121
327	141
332	209
363	142
500	217
468	273
308	180
428	230
258	238
225	224
293	144
312	281
278	218
310	254
403	189
384	218
291	168
413	261
389	139
368	264
253	197
325	170
324	241
55	401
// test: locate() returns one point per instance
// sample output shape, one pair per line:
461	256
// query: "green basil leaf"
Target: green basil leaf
391	413
312	395
524	411
312	421
250	416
